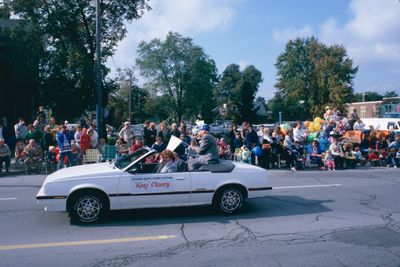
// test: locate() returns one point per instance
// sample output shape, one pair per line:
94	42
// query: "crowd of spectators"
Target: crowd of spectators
318	143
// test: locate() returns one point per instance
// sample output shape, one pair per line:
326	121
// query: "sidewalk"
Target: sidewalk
13	171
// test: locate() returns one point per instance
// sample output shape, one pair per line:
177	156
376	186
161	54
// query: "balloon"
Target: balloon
311	128
310	138
317	126
317	120
307	124
257	151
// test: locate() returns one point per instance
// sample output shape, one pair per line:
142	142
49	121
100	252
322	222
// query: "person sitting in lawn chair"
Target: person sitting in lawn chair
34	157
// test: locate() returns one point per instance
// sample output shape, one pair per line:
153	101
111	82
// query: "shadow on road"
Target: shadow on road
273	206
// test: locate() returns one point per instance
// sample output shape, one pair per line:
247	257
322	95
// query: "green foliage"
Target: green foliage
128	94
314	72
67	31
390	94
367	96
238	90
5	10
181	72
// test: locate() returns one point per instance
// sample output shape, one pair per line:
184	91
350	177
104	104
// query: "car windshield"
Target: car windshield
124	161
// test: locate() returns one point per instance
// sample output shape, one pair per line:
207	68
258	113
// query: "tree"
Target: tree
67	30
238	89
316	73
128	101
181	71
390	94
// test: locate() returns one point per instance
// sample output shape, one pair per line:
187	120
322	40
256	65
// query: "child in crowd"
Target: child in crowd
52	159
246	154
223	149
329	162
77	152
373	157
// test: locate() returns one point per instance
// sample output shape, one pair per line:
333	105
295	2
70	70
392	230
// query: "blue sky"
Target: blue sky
255	32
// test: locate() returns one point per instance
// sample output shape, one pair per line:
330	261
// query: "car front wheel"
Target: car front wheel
88	209
229	200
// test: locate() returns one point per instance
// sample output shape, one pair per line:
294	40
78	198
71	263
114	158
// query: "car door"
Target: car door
137	189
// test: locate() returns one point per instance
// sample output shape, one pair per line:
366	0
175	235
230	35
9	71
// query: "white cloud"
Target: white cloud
371	36
188	17
243	64
283	36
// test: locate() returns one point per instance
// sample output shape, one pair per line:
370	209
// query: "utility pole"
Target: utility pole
99	85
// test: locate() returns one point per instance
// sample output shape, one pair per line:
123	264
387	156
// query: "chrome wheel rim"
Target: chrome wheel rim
231	200
88	208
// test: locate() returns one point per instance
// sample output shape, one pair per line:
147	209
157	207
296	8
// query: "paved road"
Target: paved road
311	218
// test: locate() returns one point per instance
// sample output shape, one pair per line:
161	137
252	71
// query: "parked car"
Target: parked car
88	192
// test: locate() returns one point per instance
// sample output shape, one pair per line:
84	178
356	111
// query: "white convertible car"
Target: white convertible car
87	192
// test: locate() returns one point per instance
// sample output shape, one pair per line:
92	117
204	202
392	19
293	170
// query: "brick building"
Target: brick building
375	109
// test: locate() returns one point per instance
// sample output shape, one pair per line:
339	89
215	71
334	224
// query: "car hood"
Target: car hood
84	172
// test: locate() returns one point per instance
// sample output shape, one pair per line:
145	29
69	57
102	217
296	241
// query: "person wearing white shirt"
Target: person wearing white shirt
358	125
299	134
260	134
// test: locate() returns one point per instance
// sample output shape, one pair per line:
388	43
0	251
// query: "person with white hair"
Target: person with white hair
127	133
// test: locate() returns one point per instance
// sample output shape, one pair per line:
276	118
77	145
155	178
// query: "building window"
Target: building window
363	112
374	111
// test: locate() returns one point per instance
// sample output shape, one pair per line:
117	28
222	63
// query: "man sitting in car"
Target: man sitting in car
208	151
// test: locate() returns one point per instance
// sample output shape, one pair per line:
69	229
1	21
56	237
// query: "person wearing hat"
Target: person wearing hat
208	151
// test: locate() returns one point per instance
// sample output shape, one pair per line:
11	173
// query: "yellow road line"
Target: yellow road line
86	242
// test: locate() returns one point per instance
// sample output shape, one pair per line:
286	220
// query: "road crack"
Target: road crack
183	233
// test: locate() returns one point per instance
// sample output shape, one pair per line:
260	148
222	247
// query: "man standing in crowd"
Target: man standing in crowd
127	133
149	134
208	151
353	117
251	140
41	113
20	129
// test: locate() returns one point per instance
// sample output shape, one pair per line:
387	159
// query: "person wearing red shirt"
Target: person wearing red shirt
138	144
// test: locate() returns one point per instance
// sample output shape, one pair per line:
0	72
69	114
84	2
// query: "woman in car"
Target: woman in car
168	161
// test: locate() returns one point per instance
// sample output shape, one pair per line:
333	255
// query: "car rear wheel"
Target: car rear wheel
229	200
88	209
